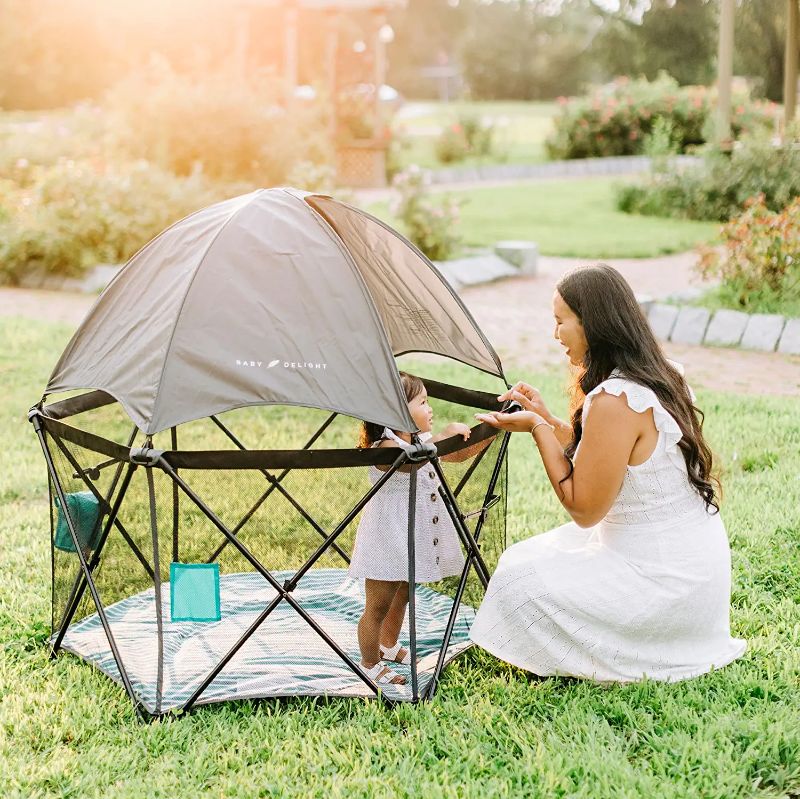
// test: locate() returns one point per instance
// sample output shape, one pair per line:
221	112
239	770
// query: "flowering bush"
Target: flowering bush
760	265
26	145
479	133
471	135
451	144
617	119
431	226
72	215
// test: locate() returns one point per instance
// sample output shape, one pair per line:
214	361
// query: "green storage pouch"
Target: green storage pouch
194	592
84	510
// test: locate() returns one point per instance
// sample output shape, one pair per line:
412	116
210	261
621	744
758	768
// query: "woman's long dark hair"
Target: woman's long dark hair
371	432
619	337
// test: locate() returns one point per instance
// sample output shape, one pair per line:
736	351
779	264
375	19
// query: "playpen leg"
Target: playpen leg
412	581
173	442
151	492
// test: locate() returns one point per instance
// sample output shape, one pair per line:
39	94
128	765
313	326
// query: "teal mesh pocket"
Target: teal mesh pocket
84	510
194	591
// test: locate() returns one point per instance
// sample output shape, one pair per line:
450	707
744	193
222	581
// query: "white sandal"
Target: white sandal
381	674
391	654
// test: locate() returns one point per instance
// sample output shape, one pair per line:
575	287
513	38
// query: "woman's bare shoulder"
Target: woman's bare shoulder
613	411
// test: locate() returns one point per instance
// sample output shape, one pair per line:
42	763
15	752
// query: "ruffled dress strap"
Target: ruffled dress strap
641	398
406	445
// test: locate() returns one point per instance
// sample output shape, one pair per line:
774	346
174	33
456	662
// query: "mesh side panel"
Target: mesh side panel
282	528
66	564
127	569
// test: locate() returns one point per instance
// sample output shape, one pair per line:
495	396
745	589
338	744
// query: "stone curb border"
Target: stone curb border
576	167
692	324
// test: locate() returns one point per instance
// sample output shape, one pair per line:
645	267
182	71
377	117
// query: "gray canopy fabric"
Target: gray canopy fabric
274	297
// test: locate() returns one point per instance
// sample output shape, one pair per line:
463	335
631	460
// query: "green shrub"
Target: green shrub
719	187
759	268
617	120
71	215
431	226
478	133
225	126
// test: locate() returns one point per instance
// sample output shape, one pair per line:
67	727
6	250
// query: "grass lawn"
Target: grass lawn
571	218
519	130
765	301
68	731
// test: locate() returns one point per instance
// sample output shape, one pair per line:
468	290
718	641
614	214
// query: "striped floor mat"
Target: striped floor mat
284	657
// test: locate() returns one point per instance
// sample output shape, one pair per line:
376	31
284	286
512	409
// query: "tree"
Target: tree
676	36
522	50
428	33
760	41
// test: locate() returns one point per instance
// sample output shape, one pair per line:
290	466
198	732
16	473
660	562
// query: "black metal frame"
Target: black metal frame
148	459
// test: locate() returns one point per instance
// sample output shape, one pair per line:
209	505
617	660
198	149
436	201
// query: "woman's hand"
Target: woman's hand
529	398
519	422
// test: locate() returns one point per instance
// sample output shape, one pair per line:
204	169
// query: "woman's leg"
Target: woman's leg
380	596
390	629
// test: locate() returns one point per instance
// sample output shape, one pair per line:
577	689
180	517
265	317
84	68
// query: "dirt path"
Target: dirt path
516	316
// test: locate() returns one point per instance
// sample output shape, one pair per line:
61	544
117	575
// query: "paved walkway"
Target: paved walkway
516	316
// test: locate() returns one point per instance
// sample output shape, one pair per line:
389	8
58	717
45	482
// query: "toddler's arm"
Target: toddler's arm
458	429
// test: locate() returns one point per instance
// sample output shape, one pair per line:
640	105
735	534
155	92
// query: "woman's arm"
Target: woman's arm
611	432
609	436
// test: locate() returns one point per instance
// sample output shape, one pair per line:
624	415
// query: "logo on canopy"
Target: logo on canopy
251	364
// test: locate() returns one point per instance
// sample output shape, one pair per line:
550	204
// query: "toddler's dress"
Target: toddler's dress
381	547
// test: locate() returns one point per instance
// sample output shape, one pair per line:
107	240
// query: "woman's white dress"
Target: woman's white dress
645	593
381	547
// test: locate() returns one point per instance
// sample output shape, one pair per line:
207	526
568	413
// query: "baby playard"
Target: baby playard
200	432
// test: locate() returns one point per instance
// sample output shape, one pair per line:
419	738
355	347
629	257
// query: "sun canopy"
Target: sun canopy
274	297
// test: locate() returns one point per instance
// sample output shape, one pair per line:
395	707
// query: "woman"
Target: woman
638	585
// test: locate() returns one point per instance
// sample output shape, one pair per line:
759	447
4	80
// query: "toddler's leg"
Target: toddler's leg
380	595
390	629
